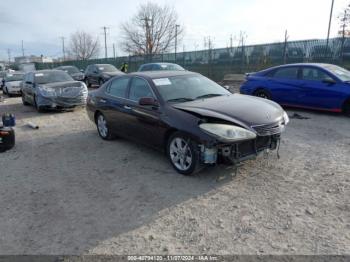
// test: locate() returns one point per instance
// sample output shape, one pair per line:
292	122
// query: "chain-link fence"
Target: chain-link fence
215	63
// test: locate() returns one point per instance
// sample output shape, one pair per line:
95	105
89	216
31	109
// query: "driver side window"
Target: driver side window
139	88
314	74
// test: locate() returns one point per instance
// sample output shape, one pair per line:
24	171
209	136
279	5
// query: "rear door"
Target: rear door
113	104
318	93
284	85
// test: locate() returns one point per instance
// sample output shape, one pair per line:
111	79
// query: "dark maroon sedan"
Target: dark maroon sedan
193	119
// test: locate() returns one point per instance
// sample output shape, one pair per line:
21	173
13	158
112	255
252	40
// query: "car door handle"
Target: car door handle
103	101
127	107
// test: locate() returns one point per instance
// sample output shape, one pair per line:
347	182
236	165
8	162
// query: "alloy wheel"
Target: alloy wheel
102	126
180	154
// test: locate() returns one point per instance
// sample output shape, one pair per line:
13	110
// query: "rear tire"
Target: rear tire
103	127
88	84
183	154
262	94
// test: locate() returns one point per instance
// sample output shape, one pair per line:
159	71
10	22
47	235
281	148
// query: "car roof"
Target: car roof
159	63
101	64
321	65
66	66
162	74
45	71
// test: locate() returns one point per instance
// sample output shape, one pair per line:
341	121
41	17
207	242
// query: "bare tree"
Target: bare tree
84	46
153	30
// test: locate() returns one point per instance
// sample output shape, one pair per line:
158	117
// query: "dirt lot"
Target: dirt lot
65	191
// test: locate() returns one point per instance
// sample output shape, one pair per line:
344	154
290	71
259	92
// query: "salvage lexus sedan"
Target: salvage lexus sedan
306	85
53	89
192	118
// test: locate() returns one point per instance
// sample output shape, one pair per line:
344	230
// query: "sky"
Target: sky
42	23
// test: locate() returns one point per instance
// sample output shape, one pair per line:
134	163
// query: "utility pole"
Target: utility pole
329	27
176	26
114	51
9	55
149	47
105	33
63	49
22	49
285	47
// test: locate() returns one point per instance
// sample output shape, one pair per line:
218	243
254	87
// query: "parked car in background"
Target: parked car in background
2	80
314	86
53	89
12	83
192	118
73	71
97	74
160	67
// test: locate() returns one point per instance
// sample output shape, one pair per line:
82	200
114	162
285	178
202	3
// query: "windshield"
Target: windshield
70	70
107	68
14	77
186	88
51	77
341	73
171	67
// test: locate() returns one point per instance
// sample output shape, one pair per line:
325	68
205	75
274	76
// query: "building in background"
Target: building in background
33	59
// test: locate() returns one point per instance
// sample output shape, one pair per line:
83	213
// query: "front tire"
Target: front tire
262	94
346	109
24	100
183	154
103	127
38	108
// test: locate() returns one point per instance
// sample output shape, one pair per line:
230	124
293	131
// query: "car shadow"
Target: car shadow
77	190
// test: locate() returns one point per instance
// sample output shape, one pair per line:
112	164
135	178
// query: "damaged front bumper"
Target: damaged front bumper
61	102
234	153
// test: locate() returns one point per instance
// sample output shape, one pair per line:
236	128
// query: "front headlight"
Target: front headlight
47	91
228	132
285	118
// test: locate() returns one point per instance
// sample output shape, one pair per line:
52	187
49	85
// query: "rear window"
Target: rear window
286	73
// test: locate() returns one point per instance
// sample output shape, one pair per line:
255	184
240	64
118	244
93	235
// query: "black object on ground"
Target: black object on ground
297	116
7	138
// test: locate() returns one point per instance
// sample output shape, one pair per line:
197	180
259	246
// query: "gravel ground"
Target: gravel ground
63	190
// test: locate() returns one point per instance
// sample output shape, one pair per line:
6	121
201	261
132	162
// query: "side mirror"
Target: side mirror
148	101
329	81
29	83
95	72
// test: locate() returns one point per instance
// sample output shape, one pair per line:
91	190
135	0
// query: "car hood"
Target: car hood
243	110
77	74
63	84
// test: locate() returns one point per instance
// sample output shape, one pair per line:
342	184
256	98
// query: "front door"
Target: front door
144	124
318	91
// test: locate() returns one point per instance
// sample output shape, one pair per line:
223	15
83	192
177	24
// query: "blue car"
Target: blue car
314	86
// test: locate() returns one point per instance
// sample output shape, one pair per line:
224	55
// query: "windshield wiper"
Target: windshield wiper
208	95
180	99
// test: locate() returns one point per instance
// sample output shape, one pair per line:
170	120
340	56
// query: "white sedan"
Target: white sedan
13	83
